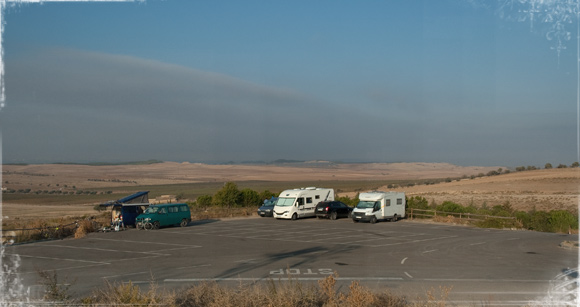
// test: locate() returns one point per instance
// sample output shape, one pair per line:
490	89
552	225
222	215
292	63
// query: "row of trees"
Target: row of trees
231	196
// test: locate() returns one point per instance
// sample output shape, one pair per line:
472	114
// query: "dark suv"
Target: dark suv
332	210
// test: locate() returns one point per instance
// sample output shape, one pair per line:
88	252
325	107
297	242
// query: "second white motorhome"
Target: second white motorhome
299	203
377	205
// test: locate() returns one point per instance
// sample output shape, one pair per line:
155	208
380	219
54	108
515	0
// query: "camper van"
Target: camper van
299	203
377	205
157	216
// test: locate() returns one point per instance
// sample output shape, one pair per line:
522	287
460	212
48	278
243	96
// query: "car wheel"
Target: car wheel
394	219
373	219
294	216
156	225
183	223
333	216
148	226
355	221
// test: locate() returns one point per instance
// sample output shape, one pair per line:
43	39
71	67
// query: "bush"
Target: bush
204	201
562	221
418	202
352	202
229	196
250	198
449	206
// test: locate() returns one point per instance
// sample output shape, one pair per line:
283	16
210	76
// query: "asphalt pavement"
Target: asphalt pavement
478	266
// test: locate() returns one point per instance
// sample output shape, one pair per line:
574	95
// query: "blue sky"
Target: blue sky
457	81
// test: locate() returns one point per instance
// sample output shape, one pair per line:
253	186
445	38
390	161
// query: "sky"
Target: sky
467	82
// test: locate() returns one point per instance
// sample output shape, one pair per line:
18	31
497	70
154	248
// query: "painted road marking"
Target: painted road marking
403	261
472	244
255	279
60	259
429	251
144	242
193	266
408	275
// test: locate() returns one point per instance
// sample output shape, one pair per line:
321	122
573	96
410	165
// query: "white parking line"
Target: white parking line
144	242
62	259
409	275
403	261
429	251
255	279
479	243
110	250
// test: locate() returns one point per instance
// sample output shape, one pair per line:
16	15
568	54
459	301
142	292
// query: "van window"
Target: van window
172	209
183	209
308	200
152	209
162	210
387	202
399	201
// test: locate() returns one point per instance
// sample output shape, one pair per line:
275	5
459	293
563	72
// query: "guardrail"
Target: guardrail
423	213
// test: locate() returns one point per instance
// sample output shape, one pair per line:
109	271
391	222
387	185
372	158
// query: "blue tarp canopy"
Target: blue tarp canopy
137	198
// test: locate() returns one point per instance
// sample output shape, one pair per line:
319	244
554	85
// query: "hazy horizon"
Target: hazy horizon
464	82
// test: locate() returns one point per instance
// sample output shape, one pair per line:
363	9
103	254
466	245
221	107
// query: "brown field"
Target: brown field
542	189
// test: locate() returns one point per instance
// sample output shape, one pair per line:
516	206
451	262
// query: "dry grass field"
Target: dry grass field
542	189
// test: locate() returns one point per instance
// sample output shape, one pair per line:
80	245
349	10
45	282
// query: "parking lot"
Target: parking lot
405	257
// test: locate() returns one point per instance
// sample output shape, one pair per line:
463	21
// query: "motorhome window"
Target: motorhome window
300	201
151	209
387	202
317	197
399	201
172	209
363	204
308	200
285	202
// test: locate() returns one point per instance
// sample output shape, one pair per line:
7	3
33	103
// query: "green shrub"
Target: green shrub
418	202
562	221
449	206
250	198
228	196
204	201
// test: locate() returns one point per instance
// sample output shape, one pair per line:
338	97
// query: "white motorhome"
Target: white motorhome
378	205
298	203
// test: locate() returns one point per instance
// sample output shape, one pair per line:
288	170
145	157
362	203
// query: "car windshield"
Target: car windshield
363	204
285	202
151	209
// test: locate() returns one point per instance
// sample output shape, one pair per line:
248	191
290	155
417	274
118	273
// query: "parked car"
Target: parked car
267	208
333	210
157	216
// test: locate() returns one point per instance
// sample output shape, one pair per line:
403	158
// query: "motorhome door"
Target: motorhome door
300	203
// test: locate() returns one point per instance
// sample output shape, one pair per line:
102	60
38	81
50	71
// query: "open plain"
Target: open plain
58	185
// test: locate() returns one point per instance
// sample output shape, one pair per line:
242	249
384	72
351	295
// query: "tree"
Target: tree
548	166
250	198
562	166
204	201
575	164
228	196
